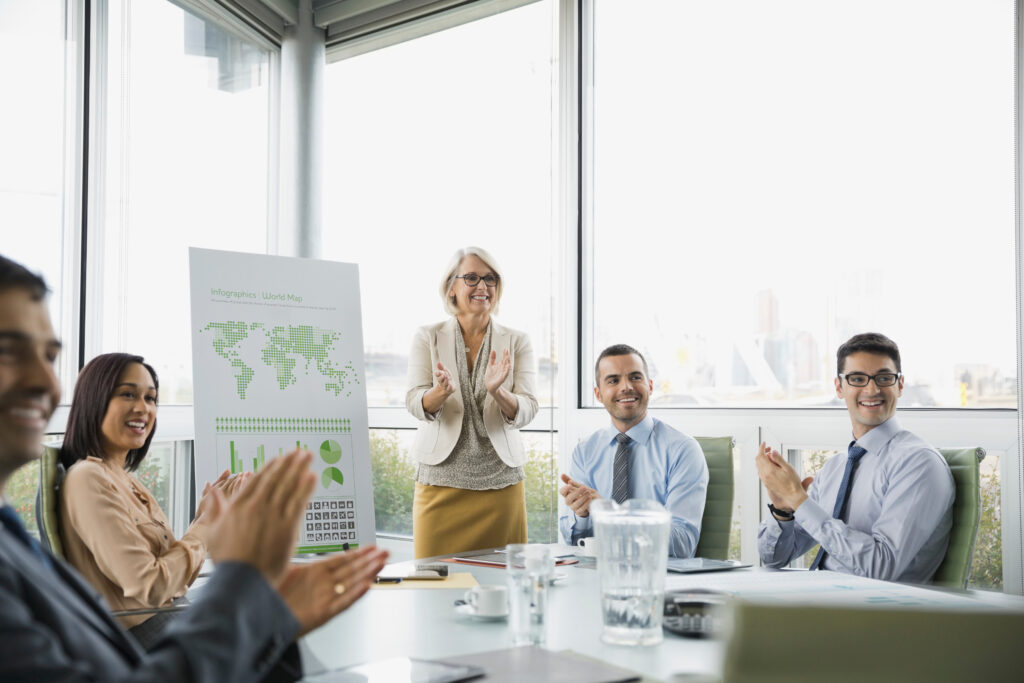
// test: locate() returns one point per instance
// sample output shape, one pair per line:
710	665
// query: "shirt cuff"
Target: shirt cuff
582	526
769	531
812	518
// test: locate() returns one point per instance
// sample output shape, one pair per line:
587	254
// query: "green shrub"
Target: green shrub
394	484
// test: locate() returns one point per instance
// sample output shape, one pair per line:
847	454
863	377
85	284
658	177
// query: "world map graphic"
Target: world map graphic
285	350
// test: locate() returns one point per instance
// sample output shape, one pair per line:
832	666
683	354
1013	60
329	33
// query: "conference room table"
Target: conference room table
418	619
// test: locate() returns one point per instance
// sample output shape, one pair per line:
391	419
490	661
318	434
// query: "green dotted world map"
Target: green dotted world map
281	348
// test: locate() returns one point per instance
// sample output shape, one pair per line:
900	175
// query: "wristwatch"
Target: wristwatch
783	514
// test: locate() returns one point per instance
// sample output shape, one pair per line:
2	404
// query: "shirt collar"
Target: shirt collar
639	432
875	439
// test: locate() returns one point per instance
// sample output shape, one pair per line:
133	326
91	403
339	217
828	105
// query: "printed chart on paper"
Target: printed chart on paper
278	365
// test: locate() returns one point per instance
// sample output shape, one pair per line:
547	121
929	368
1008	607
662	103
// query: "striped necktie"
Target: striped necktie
12	522
620	471
853	456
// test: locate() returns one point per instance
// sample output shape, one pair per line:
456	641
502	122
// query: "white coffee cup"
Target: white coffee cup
587	547
488	600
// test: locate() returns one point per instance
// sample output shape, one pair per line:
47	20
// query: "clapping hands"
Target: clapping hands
497	370
317	592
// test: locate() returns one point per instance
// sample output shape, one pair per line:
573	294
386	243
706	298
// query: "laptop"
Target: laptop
696	565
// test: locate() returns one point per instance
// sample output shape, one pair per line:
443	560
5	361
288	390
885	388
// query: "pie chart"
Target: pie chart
330	452
331	474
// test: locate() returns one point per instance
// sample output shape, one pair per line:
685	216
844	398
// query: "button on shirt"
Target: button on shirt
666	466
899	512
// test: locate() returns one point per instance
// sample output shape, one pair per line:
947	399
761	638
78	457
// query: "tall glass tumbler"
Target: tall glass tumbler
529	572
632	557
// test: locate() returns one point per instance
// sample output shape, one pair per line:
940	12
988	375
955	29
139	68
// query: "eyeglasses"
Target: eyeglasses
472	279
882	379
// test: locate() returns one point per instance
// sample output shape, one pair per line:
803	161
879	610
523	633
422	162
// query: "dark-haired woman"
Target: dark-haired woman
113	530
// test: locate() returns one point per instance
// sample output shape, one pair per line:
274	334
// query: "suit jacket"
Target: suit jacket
437	436
55	627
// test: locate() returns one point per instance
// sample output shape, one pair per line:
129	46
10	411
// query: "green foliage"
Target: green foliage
155	474
541	497
22	486
815	461
812	465
734	534
21	494
394	485
987	564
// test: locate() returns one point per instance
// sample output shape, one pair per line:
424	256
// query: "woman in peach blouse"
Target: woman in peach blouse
113	530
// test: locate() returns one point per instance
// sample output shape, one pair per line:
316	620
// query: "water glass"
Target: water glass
530	568
632	557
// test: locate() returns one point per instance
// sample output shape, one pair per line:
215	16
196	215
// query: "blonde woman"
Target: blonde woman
471	386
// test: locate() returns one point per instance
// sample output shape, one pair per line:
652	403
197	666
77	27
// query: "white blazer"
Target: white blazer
438	434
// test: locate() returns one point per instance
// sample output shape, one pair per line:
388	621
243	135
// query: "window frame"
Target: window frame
997	430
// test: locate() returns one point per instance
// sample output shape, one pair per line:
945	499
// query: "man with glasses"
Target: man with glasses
882	509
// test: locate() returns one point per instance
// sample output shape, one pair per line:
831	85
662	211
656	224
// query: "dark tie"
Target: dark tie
620	470
853	456
12	522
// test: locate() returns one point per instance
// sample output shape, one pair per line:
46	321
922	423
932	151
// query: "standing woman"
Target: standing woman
471	385
113	530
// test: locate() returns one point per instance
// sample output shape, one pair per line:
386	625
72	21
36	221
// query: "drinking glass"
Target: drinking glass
632	554
530	568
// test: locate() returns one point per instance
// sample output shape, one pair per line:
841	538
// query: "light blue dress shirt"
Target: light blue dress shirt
665	465
899	512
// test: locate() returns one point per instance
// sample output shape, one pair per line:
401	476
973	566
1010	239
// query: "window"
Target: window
166	473
779	176
187	123
770	178
435	144
430	151
35	143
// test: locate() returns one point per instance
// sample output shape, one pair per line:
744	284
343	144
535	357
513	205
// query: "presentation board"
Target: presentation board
277	363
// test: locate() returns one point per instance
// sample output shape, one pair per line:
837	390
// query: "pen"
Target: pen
388	579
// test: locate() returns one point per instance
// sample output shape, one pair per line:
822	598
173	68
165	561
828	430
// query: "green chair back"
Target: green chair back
51	476
716	524
956	566
850	644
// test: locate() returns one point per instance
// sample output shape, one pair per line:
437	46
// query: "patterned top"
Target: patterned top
473	463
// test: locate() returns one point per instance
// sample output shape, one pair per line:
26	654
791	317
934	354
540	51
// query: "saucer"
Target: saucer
468	611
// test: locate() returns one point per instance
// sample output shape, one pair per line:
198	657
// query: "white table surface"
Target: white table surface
422	623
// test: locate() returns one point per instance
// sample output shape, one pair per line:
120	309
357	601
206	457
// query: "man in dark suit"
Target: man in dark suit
53	626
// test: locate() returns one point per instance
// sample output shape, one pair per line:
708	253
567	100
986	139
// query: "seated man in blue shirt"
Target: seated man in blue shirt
884	508
656	462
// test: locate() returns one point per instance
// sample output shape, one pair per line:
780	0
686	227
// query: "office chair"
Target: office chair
716	523
956	565
51	477
851	644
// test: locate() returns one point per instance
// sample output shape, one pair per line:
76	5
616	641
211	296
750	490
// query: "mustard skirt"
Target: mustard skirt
447	520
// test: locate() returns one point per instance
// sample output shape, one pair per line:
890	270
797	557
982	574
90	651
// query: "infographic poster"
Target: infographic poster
277	364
